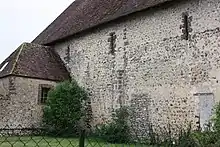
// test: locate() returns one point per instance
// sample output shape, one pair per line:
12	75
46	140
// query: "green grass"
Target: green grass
37	141
55	142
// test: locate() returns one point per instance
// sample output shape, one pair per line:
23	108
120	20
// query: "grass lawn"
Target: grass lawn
37	141
55	142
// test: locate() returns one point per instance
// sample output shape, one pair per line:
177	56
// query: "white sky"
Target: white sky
22	20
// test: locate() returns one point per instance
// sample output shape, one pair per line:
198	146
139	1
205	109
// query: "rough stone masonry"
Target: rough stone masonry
164	62
19	106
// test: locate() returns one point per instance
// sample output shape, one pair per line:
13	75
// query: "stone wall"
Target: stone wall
4	86
4	99
23	108
160	61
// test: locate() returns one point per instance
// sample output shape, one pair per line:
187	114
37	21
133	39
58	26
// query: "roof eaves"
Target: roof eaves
37	78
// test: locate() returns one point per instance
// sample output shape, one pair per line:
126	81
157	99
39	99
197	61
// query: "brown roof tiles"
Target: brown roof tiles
35	61
85	14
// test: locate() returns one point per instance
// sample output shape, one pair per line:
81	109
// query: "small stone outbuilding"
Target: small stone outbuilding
26	76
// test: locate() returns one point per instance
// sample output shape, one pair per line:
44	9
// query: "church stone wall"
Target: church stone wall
22	108
163	62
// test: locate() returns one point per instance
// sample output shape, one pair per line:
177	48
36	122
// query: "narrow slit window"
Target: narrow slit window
186	26
112	40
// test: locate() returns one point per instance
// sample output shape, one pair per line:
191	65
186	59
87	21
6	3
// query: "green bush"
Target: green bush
216	119
205	139
210	137
185	138
165	137
64	108
118	131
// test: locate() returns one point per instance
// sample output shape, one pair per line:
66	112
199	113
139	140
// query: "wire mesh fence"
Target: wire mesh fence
111	135
35	137
121	131
41	137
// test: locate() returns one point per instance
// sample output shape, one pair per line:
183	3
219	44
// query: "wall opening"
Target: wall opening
206	105
186	26
112	40
43	93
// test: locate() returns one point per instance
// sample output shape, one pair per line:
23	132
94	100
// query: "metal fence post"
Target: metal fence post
82	139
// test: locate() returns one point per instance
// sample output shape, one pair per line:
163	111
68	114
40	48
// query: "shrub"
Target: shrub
166	137
210	136
216	119
118	131
64	108
205	139
185	138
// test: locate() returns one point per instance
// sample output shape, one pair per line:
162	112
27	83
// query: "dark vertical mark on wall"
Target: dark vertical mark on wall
112	40
125	37
125	34
120	86
67	55
186	26
12	89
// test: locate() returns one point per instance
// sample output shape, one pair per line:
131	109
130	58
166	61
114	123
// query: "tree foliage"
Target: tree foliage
64	108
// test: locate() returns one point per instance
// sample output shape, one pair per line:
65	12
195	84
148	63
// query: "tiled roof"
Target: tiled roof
34	61
85	14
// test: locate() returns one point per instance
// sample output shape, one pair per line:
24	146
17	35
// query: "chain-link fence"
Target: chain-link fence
39	137
121	131
34	137
114	134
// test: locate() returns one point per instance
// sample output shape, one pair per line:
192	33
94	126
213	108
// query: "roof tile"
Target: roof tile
85	14
36	61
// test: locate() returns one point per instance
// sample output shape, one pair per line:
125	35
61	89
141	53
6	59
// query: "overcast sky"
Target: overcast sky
22	20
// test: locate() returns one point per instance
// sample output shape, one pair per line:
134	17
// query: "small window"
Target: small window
43	93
